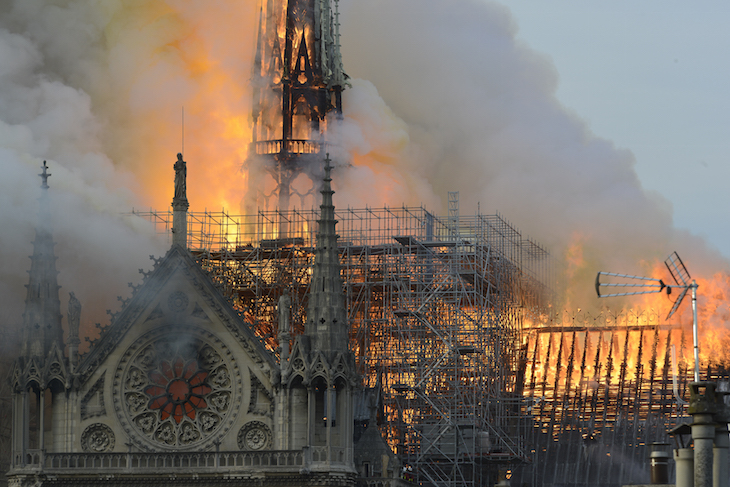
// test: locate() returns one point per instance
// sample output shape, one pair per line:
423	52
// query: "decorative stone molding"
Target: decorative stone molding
245	340
129	315
199	313
178	302
254	435
97	438
155	314
262	401
95	394
176	260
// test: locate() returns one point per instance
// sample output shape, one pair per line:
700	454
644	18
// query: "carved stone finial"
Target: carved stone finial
45	174
327	168
284	309
180	204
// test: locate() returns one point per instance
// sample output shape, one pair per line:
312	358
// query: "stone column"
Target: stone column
720	452
702	407
25	420
311	415
720	469
180	223
41	419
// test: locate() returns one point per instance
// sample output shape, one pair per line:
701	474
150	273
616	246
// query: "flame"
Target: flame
713	317
190	58
202	63
713	312
577	361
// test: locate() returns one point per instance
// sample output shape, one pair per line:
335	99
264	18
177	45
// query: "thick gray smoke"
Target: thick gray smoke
97	89
461	105
44	115
443	98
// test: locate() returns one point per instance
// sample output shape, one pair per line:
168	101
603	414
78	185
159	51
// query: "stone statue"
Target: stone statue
284	328
181	174
284	314
74	315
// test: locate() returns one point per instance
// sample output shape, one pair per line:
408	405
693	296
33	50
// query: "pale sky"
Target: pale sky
653	76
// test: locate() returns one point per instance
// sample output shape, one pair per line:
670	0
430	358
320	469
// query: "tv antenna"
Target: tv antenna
649	285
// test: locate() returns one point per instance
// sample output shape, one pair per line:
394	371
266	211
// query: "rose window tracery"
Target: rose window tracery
179	389
176	388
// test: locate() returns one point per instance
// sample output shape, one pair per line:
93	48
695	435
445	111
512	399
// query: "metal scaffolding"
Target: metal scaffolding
599	390
436	308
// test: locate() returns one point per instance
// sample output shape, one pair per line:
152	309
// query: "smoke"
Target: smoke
43	117
99	89
461	105
443	98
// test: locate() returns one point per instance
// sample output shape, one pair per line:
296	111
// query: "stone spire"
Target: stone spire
326	315
42	317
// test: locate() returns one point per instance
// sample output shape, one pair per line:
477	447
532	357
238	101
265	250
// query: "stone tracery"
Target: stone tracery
175	388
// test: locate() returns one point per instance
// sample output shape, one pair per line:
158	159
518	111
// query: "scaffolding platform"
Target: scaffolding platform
436	310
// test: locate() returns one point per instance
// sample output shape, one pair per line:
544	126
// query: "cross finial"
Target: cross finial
45	176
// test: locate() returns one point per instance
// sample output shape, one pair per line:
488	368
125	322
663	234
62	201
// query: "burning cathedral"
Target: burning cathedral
270	349
179	388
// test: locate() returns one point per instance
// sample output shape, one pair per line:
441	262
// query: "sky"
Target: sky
596	131
653	77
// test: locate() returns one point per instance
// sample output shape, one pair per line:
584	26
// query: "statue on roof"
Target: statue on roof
74	315
181	174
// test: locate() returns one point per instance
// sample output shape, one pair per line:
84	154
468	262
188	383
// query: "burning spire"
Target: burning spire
298	81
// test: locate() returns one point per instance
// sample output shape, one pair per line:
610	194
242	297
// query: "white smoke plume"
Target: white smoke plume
443	98
461	105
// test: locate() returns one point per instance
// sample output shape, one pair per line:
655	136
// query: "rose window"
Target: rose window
179	389
176	387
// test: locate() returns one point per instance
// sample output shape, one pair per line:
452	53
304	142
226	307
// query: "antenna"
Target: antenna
182	149
648	285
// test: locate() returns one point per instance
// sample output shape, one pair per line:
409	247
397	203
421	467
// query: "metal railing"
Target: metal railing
292	146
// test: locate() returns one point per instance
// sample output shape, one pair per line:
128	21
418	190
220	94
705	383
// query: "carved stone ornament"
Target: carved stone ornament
254	435
92	404
178	302
178	388
97	438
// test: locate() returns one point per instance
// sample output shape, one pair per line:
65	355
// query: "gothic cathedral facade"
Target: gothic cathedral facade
179	391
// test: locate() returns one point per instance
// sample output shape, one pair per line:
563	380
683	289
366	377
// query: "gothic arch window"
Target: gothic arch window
301	119
325	400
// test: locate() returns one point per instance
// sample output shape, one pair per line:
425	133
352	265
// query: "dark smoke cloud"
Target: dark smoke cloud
443	98
475	112
45	115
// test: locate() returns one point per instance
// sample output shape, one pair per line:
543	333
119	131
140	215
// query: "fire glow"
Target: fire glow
151	59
